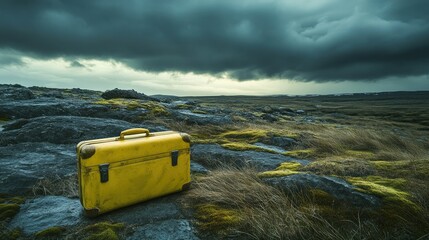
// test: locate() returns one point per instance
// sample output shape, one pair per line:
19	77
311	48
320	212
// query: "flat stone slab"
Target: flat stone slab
48	211
214	156
21	165
173	229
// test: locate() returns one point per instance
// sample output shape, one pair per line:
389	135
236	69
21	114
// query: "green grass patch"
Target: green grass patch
285	169
8	210
302	153
50	232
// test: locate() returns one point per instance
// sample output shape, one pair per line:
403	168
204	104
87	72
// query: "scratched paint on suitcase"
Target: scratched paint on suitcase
139	169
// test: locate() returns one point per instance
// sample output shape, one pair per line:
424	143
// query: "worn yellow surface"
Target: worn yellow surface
140	168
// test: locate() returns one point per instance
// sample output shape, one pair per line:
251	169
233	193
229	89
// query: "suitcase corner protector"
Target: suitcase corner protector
87	151
91	213
185	137
186	186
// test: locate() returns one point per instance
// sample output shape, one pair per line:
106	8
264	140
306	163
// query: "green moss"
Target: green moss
285	169
8	210
107	234
10	234
101	226
303	153
199	111
214	218
386	188
248	135
341	167
238	118
50	232
416	168
155	108
239	146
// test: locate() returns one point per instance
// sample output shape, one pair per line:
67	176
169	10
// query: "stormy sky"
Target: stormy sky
192	47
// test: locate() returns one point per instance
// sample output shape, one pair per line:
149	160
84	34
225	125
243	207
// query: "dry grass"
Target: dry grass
56	185
265	212
384	144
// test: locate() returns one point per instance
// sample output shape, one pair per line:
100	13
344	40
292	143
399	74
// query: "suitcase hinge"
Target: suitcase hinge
104	172
174	158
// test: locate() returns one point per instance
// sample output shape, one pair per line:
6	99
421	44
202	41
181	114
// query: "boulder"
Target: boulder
15	92
200	119
129	94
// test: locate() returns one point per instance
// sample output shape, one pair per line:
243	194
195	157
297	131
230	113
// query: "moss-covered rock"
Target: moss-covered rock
240	146
301	153
50	232
211	217
248	135
285	169
8	210
107	234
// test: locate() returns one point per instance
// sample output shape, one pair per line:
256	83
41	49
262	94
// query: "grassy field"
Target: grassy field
378	142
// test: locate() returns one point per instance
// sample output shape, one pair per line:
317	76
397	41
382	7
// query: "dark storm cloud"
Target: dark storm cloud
76	64
306	40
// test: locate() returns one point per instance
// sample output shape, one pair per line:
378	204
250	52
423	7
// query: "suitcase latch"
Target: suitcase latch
104	172
174	157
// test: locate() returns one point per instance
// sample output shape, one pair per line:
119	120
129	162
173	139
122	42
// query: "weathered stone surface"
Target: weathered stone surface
213	156
21	165
158	209
65	129
173	229
130	94
338	188
15	92
198	168
201	119
48	211
283	142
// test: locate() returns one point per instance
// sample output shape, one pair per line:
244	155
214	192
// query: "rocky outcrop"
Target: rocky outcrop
129	94
338	188
65	129
215	156
15	92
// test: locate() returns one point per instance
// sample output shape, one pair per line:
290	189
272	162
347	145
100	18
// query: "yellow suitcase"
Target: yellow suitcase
134	167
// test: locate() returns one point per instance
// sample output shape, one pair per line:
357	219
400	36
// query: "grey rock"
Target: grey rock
300	111
48	211
269	117
173	229
21	165
158	209
338	188
270	147
129	94
15	92
65	129
201	119
283	142
198	168
214	156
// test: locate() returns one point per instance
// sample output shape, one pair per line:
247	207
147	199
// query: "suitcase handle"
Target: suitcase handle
133	131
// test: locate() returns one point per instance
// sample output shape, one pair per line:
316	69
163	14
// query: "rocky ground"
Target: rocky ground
40	128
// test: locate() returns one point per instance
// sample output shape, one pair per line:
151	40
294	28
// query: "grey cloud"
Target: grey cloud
317	40
76	64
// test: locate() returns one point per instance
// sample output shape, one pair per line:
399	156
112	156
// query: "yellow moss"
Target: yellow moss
386	188
101	226
416	168
239	146
238	118
107	234
199	112
248	135
214	218
285	169
303	153
8	210
50	232
155	108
